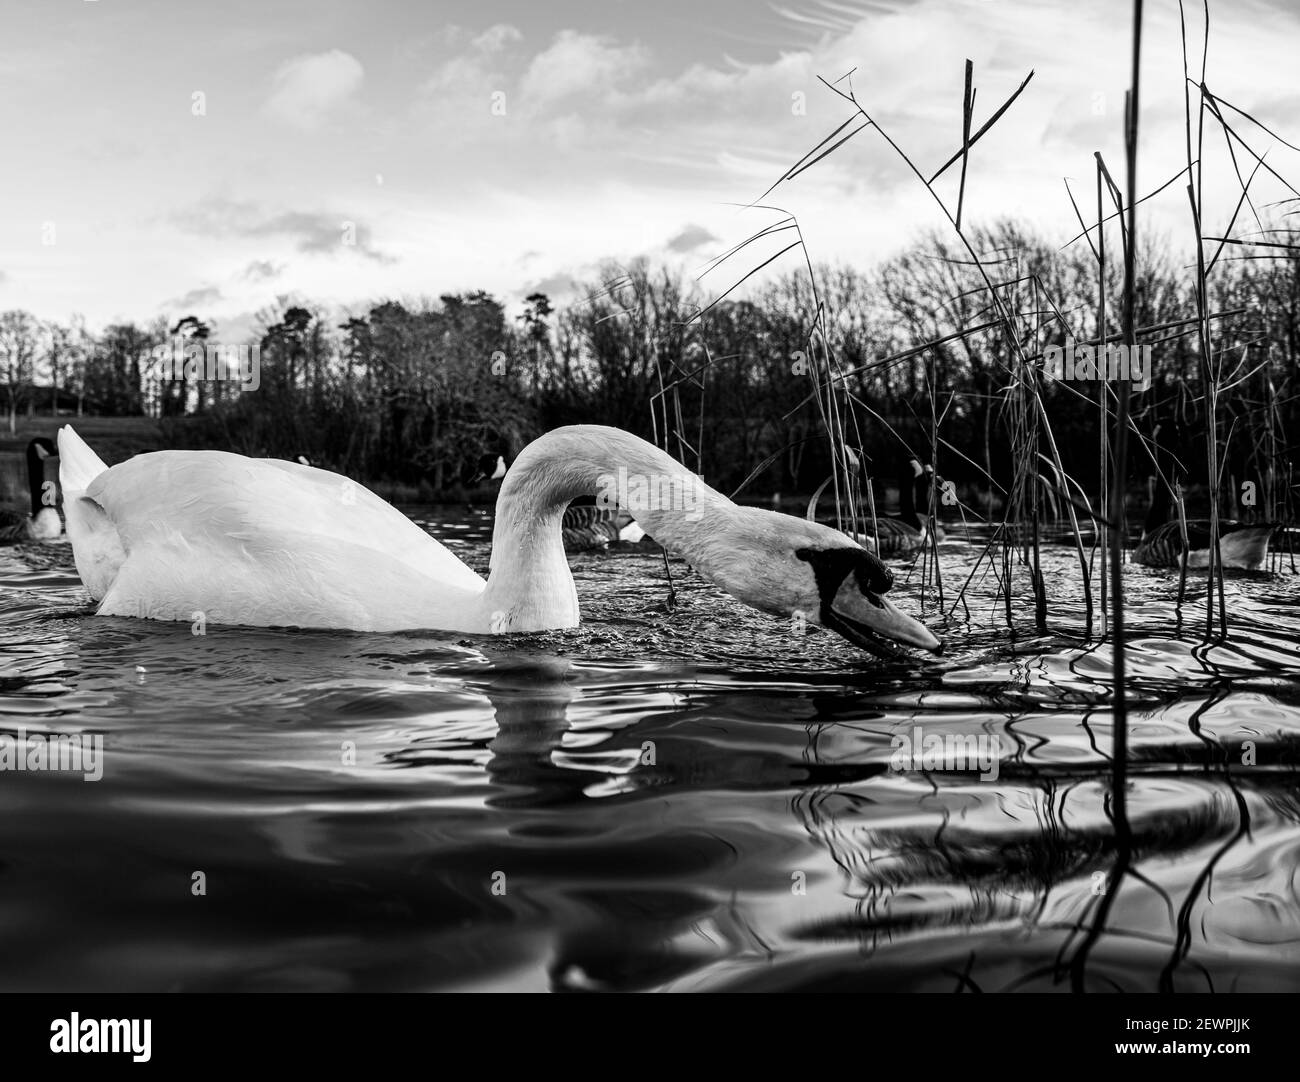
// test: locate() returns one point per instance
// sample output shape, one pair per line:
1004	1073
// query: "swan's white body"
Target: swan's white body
172	534
256	541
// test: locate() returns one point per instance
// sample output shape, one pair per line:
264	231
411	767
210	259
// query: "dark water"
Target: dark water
503	827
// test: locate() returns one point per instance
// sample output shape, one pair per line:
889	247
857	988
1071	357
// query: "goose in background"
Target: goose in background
1241	545
42	523
267	543
906	534
901	536
491	467
585	527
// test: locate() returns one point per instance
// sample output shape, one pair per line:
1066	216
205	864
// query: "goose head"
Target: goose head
490	467
45	523
913	497
800	569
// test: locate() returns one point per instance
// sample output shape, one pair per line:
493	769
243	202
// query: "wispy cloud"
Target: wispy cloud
478	61
196	298
576	63
262	270
690	238
495	38
554	285
307	89
312	232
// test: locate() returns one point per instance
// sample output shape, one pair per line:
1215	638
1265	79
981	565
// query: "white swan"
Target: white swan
170	534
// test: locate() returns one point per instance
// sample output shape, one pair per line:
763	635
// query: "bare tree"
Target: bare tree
18	347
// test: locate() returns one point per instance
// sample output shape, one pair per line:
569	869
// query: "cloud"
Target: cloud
478	64
554	285
690	238
306	89
576	63
495	38
313	232
196	298
260	270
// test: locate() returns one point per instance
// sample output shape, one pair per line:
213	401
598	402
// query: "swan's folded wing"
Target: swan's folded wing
259	541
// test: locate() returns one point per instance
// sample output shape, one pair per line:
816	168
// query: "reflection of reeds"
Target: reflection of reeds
1242	401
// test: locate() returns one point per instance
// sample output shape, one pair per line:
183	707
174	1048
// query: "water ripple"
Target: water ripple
698	797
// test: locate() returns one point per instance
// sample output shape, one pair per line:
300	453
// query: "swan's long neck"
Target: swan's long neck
530	585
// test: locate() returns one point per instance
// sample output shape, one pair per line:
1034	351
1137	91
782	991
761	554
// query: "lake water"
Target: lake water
696	799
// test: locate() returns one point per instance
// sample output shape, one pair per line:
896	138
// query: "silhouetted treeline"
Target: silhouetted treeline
417	392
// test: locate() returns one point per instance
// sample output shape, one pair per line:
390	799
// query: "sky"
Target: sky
163	157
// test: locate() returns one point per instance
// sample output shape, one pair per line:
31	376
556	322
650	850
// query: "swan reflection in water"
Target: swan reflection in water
958	868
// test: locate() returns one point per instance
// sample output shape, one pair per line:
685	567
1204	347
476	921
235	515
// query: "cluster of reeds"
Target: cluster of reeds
1022	315
1017	310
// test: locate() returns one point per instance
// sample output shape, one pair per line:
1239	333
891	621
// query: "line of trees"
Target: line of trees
418	391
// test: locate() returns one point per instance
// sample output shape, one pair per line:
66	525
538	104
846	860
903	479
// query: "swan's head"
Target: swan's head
803	569
851	585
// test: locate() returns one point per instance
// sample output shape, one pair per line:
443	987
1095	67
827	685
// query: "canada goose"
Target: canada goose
1241	545
906	534
42	522
584	527
491	467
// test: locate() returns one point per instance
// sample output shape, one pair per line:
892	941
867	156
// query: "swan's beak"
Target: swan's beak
866	620
851	584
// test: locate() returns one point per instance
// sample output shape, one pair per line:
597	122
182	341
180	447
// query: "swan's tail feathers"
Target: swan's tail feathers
78	464
96	546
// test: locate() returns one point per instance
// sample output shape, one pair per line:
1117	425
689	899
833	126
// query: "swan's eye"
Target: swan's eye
832	566
874	577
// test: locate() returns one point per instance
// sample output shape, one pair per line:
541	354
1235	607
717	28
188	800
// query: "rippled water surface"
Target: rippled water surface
695	799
